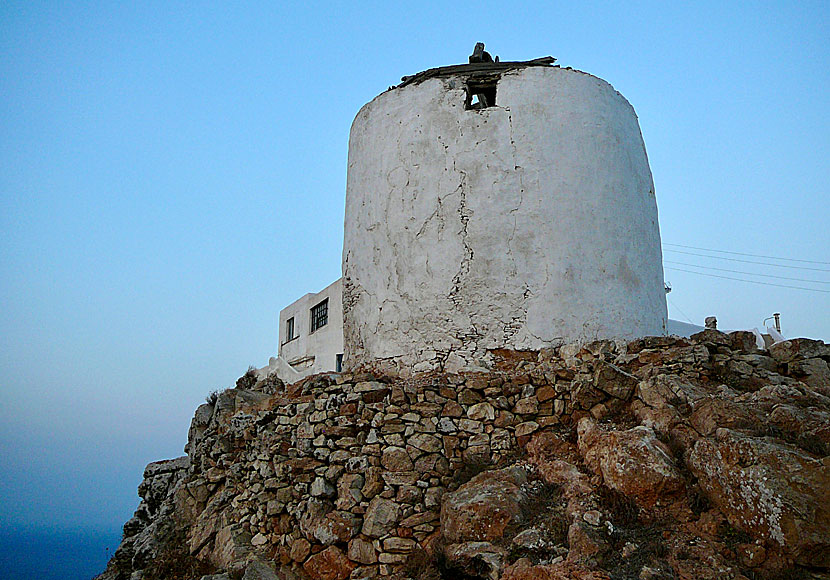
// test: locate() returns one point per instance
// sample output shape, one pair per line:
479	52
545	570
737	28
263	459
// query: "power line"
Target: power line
751	261
745	254
750	281
749	273
680	311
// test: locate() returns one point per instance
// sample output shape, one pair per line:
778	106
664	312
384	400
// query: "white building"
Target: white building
311	335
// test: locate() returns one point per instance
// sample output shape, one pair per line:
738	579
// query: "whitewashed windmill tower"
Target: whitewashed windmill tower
496	205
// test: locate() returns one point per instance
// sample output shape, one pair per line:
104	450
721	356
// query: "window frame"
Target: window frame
319	315
290	326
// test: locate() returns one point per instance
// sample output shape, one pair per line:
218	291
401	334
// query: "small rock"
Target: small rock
585	542
425	442
396	459
527	406
531	539
362	551
399	545
257	570
523	429
300	549
380	517
330	564
322	488
481	412
614	381
259	540
592	517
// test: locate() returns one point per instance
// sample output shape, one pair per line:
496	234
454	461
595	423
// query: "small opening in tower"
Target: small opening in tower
480	95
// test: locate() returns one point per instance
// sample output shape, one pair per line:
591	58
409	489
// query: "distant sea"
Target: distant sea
54	555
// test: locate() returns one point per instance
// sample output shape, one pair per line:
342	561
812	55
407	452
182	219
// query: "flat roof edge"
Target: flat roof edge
479	67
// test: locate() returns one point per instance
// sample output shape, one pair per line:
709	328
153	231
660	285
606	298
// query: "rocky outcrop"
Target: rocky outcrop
768	489
483	508
633	462
701	458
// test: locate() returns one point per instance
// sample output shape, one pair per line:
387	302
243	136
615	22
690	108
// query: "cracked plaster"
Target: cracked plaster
523	225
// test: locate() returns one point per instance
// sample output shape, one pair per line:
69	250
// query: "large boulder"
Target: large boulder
799	348
481	509
768	489
633	462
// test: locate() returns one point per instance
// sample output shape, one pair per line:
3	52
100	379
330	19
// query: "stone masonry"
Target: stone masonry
344	476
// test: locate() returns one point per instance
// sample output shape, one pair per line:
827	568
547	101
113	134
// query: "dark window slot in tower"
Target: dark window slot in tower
480	95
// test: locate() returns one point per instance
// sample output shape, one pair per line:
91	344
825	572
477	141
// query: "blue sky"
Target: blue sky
172	174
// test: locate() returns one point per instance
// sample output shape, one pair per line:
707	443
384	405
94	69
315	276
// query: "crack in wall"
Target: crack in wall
464	218
434	214
519	171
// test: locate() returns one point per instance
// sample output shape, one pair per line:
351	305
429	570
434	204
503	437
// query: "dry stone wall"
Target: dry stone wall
359	467
344	476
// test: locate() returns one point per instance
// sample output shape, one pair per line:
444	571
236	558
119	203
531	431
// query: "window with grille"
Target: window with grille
320	315
338	365
289	329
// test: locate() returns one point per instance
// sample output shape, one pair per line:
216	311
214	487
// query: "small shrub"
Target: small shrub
620	415
732	536
792	573
421	565
813	444
698	501
174	562
651	551
809	442
212	397
539	497
272	384
543	508
770	430
248	380
624	511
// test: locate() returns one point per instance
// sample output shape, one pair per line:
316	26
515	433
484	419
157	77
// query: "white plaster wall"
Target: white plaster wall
324	344
527	224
